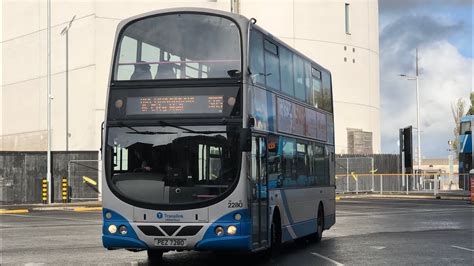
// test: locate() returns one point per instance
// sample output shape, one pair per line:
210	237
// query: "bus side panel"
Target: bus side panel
329	208
299	209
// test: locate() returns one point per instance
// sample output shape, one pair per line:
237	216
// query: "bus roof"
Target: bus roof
239	19
467	118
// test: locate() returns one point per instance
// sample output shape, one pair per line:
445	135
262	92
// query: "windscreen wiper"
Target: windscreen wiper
187	130
135	131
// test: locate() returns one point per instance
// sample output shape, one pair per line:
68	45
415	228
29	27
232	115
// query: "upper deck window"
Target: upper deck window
178	46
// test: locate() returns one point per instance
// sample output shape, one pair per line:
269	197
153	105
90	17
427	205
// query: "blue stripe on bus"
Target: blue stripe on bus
285	206
301	229
241	241
305	228
130	240
285	234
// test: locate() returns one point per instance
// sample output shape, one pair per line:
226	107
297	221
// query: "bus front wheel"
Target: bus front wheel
154	255
275	235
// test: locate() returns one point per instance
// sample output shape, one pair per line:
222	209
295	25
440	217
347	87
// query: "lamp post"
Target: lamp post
418	130
49	97
451	163
65	31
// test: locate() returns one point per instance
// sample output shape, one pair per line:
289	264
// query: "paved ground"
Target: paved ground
367	232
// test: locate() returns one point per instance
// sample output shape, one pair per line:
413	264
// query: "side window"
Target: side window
326	166
256	57
301	165
327	92
288	166
321	164
316	90
286	70
272	65
274	162
299	70
311	166
307	80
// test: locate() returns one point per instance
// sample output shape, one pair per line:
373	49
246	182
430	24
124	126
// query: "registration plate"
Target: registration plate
170	242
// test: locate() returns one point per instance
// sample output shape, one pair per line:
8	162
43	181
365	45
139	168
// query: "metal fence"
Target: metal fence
347	170
397	183
84	179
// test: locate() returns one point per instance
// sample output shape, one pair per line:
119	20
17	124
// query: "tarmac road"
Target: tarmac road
367	232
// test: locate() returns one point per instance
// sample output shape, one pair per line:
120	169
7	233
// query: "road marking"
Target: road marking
407	212
378	247
468	249
84	209
326	258
3	211
51	217
419	202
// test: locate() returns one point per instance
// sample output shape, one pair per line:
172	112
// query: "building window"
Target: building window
347	17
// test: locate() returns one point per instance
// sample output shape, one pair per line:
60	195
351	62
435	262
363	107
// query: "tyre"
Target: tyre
320	225
275	233
318	235
154	256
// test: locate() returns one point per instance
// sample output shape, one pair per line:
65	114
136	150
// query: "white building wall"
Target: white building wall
314	27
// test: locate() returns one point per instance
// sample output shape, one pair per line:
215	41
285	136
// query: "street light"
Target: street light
417	111
48	111
65	31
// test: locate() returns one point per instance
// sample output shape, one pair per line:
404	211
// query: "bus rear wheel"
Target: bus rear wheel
154	256
319	226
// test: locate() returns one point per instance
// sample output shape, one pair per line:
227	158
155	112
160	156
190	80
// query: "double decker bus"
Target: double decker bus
465	151
217	136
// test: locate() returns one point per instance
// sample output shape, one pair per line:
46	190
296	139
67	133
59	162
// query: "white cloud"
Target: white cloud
445	76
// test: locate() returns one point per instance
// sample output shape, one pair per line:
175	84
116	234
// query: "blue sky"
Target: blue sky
442	32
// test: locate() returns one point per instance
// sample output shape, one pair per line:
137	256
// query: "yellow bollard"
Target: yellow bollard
44	191
64	189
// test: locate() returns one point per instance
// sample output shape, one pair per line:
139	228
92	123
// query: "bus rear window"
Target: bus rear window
179	46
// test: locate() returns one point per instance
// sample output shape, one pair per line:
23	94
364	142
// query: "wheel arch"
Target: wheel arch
276	214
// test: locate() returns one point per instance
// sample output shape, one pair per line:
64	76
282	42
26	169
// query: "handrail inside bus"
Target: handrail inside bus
176	62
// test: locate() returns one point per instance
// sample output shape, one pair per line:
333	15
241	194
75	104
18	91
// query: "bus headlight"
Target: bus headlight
219	231
232	230
112	229
123	230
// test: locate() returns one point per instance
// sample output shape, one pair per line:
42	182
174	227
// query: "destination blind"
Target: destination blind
190	104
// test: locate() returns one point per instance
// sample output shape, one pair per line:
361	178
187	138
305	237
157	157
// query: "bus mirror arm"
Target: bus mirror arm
245	140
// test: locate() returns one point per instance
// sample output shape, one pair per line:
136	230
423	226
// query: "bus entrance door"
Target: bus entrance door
258	186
